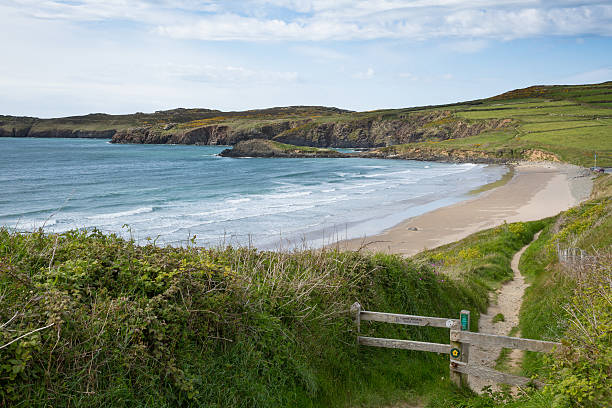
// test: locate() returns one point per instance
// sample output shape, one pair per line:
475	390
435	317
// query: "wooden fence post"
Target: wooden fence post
356	313
465	352
460	351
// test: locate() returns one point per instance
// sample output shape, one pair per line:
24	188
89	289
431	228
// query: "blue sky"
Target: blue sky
63	58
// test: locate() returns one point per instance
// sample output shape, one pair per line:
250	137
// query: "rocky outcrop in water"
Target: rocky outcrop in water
267	148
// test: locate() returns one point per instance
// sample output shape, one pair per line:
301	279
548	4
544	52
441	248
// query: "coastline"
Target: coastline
537	190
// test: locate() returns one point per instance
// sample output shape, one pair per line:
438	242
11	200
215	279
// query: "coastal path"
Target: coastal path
474	370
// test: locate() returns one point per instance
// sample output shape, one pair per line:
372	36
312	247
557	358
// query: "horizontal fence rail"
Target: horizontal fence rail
460	340
407	319
483	339
404	344
489	373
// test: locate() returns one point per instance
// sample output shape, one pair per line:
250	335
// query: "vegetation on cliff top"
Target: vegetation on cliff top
567	123
270	148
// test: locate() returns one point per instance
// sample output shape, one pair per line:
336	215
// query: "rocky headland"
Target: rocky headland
342	131
535	123
268	148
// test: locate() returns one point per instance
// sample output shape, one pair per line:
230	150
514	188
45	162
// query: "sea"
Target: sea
185	195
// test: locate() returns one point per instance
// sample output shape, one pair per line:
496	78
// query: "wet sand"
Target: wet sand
537	190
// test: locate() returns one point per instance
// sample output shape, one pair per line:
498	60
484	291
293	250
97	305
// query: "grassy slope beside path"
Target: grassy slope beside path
571	302
142	325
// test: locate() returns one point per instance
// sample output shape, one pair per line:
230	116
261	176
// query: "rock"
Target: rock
268	148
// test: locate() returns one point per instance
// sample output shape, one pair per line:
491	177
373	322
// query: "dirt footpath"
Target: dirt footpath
507	301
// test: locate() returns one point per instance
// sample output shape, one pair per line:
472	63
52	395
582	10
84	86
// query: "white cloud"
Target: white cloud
368	74
319	20
404	20
408	75
319	53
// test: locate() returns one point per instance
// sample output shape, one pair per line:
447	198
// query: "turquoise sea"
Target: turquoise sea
172	193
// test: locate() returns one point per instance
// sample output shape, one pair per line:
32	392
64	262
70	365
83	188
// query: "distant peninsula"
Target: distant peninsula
554	123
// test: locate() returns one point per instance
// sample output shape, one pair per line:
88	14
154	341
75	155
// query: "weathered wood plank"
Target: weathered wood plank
494	375
404	344
494	340
356	312
407	319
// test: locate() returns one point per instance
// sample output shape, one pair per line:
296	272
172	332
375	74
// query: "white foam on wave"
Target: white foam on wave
371	167
290	195
363	185
33	225
238	200
392	173
257	212
216	212
141	210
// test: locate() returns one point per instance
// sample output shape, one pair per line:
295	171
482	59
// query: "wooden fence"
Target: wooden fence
458	348
572	255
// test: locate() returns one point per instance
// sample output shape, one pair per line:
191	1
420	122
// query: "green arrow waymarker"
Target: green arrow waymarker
455	353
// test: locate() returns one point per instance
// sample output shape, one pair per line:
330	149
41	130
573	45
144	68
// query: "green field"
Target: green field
570	128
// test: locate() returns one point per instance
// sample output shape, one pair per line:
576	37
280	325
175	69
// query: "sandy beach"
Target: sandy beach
537	190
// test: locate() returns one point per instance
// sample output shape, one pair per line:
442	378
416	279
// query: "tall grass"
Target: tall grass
128	325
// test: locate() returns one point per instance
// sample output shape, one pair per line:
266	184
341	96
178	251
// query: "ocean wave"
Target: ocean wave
141	210
290	195
392	173
242	216
238	200
216	212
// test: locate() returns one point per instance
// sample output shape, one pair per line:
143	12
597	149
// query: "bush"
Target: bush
122	324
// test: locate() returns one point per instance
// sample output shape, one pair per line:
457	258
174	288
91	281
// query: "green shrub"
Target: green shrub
122	324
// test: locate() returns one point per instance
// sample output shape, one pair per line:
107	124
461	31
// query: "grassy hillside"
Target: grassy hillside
572	122
131	325
568	123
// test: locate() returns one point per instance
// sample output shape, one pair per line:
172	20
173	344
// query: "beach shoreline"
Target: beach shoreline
537	190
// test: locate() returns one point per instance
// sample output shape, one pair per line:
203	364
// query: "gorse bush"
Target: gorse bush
89	319
582	374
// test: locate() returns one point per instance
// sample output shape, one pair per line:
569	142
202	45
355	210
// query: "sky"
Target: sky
62	58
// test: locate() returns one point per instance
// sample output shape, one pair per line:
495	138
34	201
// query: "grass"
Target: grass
305	149
499	318
149	326
226	327
561	121
498	183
